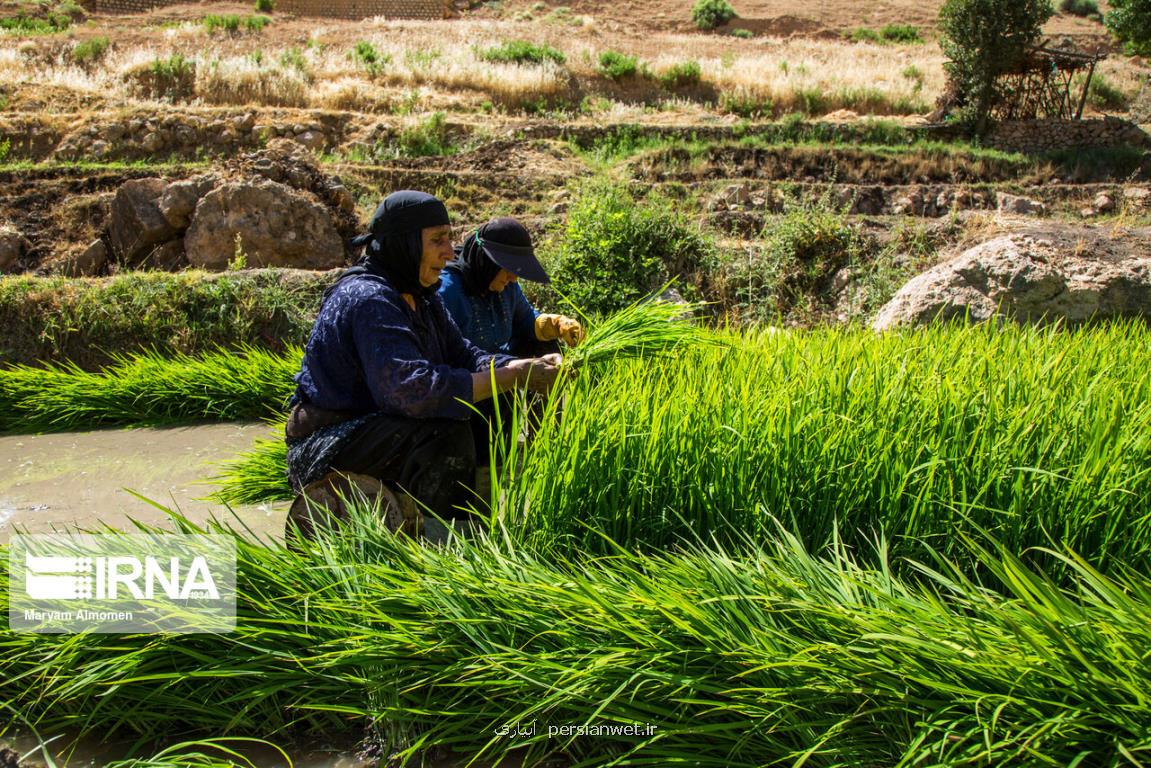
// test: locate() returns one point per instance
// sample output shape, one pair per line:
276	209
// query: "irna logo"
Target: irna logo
109	578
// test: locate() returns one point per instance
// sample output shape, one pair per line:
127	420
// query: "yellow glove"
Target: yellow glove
552	327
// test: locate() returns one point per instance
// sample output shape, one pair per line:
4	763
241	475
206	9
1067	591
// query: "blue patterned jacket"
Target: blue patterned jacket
370	352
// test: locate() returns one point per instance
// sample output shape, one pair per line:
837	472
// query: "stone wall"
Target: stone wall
1039	136
342	9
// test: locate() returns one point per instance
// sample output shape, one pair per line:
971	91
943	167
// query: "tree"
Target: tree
984	39
1130	21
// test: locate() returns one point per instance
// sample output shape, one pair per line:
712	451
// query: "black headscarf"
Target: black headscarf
394	246
475	268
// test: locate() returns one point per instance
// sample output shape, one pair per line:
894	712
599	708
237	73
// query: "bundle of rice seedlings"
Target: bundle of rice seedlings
147	390
257	475
646	328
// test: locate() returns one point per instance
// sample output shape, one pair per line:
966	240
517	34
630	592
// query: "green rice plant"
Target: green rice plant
257	475
645	329
147	389
617	66
522	52
774	656
1041	437
202	753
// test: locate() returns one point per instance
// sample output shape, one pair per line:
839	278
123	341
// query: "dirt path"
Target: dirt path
84	478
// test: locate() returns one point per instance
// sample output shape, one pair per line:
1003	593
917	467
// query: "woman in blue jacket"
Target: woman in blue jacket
481	292
387	385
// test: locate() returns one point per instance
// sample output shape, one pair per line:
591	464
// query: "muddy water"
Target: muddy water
86	479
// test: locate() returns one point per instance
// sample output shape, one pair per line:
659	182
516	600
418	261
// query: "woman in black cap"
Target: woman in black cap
387	382
481	292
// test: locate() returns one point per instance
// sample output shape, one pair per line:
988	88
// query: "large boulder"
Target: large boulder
272	224
137	225
1029	279
181	197
13	246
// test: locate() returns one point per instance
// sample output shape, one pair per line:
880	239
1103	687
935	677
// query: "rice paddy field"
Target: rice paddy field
826	547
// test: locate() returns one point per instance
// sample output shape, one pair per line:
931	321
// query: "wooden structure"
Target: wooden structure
1043	86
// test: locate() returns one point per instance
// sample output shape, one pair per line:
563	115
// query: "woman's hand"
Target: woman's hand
536	373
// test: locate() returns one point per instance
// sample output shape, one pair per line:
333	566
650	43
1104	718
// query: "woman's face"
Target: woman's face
502	280
437	242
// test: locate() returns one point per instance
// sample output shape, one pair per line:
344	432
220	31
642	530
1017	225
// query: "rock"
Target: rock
1137	197
169	257
1104	203
137	225
152	142
89	263
340	197
180	198
113	132
13	246
841	280
1027	279
276	227
311	140
1019	205
736	194
244	123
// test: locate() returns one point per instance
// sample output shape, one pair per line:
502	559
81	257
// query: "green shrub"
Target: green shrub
983	39
293	58
1086	8
900	33
5	149
615	249
366	55
802	250
681	75
90	51
744	105
522	52
427	139
265	6
1105	97
744	34
892	33
173	78
256	23
1130	22
31	25
865	35
616	66
214	23
709	14
231	23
